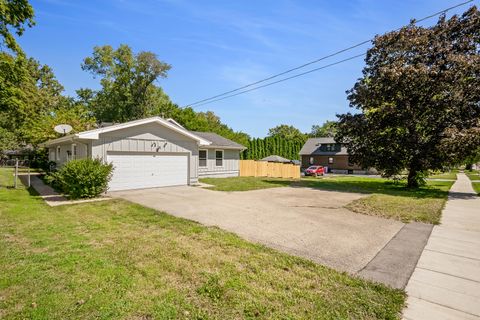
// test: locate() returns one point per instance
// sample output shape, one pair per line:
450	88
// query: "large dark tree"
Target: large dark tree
418	100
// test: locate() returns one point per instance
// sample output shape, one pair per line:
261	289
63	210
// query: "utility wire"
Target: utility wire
285	79
285	72
214	98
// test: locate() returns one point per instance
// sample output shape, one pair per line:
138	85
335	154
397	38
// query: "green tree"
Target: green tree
286	132
15	15
40	128
418	100
128	83
327	129
8	141
28	90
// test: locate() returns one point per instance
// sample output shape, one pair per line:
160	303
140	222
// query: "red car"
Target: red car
314	171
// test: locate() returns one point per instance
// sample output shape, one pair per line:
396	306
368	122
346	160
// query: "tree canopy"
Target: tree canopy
128	83
15	15
418	100
287	132
327	129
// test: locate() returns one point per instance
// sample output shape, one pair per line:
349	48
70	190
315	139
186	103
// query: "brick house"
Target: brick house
328	153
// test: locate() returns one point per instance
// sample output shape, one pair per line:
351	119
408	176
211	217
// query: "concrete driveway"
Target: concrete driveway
305	222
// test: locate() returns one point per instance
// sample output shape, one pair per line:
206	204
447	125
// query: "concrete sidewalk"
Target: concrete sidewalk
446	280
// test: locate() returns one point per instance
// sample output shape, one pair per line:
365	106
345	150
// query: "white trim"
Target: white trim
58	151
74	151
68	138
223	157
94	134
175	123
206	158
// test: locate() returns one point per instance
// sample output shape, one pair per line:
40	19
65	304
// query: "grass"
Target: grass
450	175
387	199
473	174
118	260
390	200
245	183
476	187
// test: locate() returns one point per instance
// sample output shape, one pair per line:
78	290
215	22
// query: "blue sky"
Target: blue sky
215	46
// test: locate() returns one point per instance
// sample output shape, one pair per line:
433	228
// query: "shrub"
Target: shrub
53	180
84	178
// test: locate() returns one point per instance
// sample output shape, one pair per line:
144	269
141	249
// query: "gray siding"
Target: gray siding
230	167
152	138
147	138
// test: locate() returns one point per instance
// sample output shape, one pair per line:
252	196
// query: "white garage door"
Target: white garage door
147	171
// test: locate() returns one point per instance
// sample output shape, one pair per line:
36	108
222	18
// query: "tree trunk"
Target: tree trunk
412	180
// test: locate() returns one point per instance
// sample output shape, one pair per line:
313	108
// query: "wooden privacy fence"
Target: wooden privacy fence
252	168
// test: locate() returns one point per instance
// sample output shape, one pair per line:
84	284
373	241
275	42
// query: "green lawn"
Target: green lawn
473	174
476	187
245	183
387	199
451	175
118	260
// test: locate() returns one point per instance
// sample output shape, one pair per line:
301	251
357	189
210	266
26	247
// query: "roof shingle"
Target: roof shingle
312	147
218	141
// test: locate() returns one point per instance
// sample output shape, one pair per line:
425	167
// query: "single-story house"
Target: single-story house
328	153
275	158
152	152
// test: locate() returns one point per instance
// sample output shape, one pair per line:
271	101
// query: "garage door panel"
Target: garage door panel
147	171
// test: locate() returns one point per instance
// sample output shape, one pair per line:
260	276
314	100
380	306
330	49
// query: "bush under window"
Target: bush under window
84	178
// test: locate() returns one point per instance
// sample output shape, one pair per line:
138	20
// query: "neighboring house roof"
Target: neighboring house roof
275	158
94	134
219	141
312	147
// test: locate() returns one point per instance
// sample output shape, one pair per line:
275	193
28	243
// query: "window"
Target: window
329	147
311	160
219	158
57	157
330	160
74	151
202	158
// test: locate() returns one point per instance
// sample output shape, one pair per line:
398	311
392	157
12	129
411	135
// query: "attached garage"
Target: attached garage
151	153
138	171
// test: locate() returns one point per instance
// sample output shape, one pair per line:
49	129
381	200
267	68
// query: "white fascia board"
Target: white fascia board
68	138
94	134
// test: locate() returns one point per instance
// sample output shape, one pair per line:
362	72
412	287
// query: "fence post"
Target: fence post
16	174
28	176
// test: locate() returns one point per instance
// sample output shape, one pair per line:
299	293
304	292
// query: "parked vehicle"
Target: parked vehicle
314	171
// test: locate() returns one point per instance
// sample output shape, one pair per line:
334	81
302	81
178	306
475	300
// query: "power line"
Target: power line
285	79
213	98
285	72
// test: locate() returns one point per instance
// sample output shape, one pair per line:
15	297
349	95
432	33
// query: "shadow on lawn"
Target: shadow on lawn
380	186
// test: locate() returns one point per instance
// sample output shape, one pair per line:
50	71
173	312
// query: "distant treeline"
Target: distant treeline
260	148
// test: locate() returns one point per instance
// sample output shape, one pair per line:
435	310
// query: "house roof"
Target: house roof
312	147
219	141
275	158
94	134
